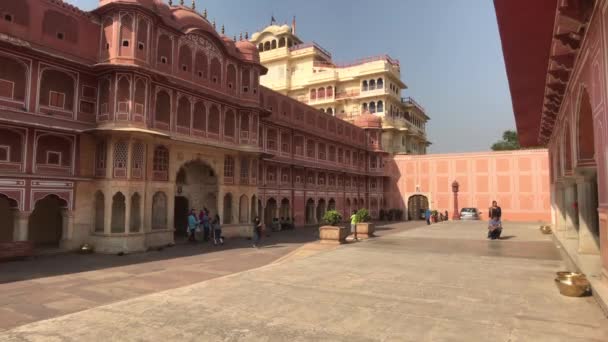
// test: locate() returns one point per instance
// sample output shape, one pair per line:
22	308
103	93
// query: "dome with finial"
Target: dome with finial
248	50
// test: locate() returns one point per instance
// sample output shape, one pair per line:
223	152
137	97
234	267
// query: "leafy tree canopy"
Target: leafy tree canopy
509	142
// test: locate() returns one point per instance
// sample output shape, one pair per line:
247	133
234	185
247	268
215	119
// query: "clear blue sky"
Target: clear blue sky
450	53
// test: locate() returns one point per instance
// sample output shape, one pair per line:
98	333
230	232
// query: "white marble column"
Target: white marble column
560	221
21	220
587	243
571	215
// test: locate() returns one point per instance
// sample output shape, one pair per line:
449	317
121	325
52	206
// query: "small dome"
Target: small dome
151	4
186	18
367	120
248	51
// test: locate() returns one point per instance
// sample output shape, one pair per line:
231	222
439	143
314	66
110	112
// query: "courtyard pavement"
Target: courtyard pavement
445	282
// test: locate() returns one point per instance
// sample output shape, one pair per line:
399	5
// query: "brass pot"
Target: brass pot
570	275
574	286
86	249
545	229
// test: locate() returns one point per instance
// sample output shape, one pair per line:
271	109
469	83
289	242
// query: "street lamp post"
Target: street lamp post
455	215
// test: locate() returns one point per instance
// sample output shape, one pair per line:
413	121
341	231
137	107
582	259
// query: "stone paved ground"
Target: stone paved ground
53	286
438	283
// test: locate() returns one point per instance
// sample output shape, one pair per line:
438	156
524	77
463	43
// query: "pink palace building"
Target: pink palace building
115	122
556	55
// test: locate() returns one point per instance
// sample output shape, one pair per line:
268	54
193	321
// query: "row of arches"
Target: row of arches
373	107
372	84
45	225
322	93
274	43
203	119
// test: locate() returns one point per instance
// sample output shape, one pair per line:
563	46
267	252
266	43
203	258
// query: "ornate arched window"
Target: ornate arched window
214	121
142	39
243	209
227	208
126	35
216	71
162	115
100	210
159	211
101	153
56	90
13	79
372	84
380	107
185	59
364	86
229	126
135	224
137	160
123	97
246	80
231	78
201	65
183	115
121	153
372	107
199	119
104	99
364	107
139	103
380	83
160	163
329	91
244	170
164	50
313	94
228	169
119	209
321	93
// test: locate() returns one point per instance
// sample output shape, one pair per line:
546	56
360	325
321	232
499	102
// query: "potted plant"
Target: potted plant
365	229
332	233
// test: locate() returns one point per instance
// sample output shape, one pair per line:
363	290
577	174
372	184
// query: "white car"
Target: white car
469	214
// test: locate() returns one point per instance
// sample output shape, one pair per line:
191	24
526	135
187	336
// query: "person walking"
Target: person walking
495	210
257	232
217	231
193	223
494	228
427	216
353	224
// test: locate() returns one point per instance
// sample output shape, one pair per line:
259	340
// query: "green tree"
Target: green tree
509	142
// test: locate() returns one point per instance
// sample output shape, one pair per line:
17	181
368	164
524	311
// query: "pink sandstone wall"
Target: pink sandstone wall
518	180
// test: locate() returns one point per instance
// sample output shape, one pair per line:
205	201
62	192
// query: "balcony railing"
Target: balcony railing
309	45
387	58
409	100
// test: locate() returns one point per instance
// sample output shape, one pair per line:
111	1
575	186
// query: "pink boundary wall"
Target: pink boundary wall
518	180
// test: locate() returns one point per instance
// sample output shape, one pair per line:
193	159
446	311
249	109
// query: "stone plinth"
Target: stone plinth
365	230
333	235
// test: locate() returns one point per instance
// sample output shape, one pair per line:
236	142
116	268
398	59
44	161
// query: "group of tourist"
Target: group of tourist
436	217
210	227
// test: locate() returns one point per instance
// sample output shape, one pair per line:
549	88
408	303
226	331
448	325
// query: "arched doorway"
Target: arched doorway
284	212
180	212
270	211
331	205
321	207
243	209
310	211
587	218
415	205
8	208
254	208
196	188
45	227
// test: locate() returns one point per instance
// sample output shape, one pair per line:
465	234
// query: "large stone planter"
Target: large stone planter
16	250
333	235
365	230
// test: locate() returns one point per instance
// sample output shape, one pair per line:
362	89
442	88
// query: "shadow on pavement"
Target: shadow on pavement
66	263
